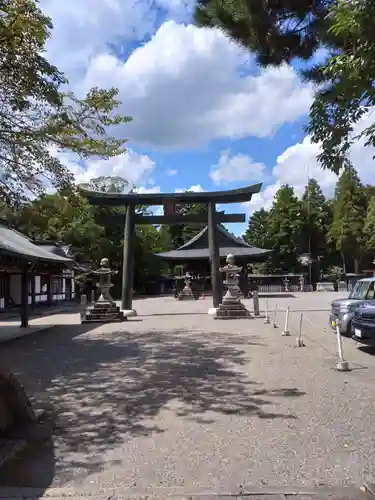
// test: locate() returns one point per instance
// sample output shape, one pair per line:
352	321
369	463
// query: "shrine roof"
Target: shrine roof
240	195
197	247
17	244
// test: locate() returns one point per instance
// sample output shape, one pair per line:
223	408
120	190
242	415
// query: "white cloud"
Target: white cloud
237	168
299	162
197	188
84	28
171	172
134	167
183	89
145	190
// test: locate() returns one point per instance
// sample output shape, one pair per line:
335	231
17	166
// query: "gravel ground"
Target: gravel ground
174	401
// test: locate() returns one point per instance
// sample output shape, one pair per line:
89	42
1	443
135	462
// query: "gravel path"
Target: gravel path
175	401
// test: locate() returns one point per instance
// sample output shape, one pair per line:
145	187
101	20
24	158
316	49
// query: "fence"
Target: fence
281	288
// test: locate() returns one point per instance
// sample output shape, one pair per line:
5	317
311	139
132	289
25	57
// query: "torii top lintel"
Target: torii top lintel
239	195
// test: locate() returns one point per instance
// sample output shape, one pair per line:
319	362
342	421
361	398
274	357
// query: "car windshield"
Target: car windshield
363	290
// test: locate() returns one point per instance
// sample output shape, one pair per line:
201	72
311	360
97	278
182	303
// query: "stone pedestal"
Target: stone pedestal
186	293
232	308
104	310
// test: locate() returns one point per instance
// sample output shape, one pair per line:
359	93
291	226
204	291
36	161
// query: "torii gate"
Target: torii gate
169	202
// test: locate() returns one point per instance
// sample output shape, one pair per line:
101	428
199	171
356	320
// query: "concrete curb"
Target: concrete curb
22	332
270	493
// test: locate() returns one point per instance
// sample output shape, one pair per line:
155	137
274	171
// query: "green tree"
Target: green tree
59	218
286	223
283	30
182	233
369	192
317	224
369	227
149	240
349	211
258	232
348	94
106	184
275	30
316	217
37	119
148	267
258	235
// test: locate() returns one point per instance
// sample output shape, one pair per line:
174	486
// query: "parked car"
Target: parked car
363	325
342	310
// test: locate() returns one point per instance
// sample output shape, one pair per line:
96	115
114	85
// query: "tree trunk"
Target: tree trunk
356	265
343	262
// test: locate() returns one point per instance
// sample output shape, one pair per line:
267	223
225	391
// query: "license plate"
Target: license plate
357	333
333	323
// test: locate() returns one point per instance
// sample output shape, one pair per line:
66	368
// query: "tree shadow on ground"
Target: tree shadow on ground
106	388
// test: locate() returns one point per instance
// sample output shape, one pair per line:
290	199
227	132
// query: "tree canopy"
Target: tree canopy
349	211
281	31
334	233
93	232
39	119
276	31
369	226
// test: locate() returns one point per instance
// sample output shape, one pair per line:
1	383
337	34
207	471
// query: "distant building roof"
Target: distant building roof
17	244
197	247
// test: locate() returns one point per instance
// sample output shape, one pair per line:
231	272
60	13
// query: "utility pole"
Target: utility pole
309	218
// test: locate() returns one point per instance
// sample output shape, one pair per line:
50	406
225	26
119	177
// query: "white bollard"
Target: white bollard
274	316
286	331
267	320
342	365
299	341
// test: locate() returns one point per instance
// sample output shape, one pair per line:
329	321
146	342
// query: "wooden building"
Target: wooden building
32	275
197	251
195	257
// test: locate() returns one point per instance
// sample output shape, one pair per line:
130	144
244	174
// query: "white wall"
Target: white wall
15	291
37	284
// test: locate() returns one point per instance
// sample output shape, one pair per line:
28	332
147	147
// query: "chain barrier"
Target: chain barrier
342	365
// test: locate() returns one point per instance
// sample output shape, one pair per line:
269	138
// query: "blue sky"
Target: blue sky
205	117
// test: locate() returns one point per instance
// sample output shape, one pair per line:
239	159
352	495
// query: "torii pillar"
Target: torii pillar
128	263
214	251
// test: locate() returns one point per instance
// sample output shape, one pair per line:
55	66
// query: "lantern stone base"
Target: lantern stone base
103	311
186	294
129	313
232	308
212	311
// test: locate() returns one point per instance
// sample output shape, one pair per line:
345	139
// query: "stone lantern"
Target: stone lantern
186	293
104	310
231	307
